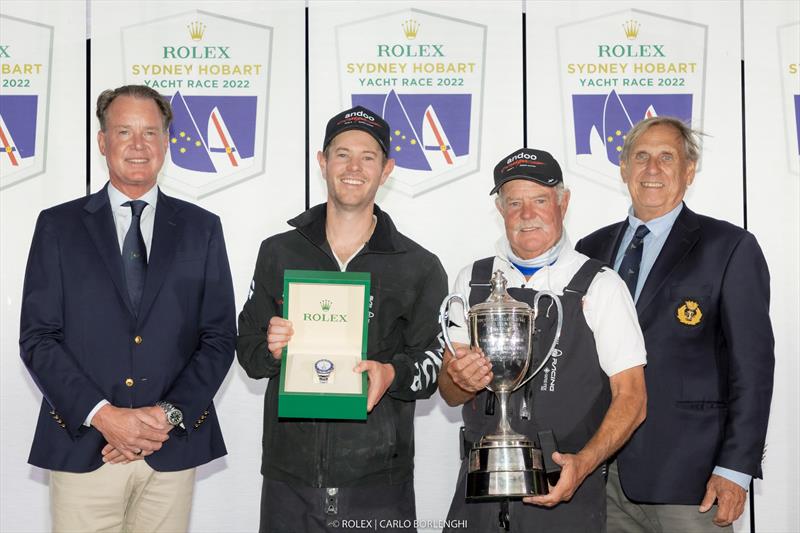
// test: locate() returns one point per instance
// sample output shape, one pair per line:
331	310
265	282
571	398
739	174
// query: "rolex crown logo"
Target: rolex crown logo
326	305
196	30
631	28
410	28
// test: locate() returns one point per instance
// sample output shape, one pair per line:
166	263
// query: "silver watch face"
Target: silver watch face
323	368
174	416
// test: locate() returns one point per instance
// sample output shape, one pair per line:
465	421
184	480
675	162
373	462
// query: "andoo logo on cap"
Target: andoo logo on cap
521	155
359	114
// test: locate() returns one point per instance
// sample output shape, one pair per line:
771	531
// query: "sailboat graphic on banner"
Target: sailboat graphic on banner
438	149
603	120
406	145
17	132
11	155
429	132
616	124
212	134
220	143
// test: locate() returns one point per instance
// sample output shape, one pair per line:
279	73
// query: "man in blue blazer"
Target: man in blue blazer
128	329
701	288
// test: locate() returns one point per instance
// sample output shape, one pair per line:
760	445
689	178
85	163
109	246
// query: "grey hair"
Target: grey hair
560	188
691	137
134	91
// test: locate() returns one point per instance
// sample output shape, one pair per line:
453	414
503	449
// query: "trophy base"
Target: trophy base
505	469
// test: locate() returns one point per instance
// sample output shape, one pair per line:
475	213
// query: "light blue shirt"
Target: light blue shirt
123	215
653	243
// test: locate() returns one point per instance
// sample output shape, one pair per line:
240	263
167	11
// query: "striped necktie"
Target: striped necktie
632	260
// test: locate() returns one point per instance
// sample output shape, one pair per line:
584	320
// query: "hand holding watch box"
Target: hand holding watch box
329	313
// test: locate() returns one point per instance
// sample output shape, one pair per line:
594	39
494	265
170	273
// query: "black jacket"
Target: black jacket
408	284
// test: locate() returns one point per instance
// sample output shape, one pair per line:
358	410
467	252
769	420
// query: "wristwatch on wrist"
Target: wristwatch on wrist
174	415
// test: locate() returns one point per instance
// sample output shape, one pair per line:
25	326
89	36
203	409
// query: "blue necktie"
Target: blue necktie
134	254
629	267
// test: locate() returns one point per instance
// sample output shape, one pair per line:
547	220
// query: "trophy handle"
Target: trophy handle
444	314
560	310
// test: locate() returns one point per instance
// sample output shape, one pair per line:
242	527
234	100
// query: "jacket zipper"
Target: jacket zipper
322	445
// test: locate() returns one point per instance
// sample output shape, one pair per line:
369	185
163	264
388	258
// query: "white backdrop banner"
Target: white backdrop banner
609	65
618	69
423	73
42	163
772	91
26	54
213	69
448	76
789	54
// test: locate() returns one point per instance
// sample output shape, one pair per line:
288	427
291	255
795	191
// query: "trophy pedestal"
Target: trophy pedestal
500	469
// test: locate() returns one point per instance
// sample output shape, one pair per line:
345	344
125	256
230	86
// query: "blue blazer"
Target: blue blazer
704	312
78	331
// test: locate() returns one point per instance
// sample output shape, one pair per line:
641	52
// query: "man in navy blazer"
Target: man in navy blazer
702	295
128	356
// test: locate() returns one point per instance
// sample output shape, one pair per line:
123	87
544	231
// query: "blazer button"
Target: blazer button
138	339
129	382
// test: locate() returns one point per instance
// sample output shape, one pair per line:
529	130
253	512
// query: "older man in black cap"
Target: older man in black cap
338	475
591	394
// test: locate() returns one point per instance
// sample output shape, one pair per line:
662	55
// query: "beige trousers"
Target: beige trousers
624	516
127	498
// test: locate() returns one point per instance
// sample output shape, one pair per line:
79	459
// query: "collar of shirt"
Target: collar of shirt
541	280
653	242
117	198
122	214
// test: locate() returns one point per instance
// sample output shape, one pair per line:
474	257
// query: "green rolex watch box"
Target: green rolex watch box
329	312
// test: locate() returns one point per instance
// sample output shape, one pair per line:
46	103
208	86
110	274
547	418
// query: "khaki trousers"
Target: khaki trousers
624	516
129	498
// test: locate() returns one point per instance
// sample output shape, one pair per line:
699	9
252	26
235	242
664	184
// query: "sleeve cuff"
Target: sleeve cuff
402	376
100	404
743	480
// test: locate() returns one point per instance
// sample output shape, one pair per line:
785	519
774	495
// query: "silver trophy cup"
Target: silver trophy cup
504	464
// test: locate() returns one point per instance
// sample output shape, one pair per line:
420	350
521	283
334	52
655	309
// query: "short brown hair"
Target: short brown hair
135	91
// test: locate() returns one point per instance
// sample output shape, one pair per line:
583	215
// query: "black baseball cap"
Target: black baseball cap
358	118
527	164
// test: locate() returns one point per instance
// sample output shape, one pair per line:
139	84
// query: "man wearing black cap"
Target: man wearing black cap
591	394
330	475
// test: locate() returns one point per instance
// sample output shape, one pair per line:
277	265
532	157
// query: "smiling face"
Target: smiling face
657	172
353	169
532	216
134	144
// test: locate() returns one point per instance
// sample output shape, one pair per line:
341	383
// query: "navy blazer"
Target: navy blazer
704	312
82	342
